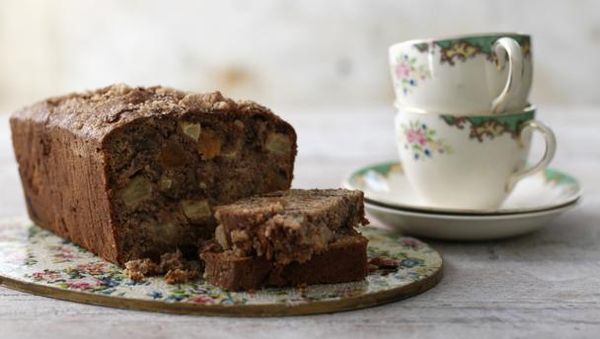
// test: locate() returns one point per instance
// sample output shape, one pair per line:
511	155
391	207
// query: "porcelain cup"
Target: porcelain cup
468	75
468	161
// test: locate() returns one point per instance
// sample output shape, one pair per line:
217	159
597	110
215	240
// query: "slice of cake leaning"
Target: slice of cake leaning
133	173
288	238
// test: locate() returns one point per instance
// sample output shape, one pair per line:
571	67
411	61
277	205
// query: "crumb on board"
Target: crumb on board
179	276
383	262
138	269
170	261
173	266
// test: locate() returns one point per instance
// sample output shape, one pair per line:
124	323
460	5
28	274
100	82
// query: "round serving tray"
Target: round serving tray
37	261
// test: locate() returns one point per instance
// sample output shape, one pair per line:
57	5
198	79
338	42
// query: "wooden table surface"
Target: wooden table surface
546	284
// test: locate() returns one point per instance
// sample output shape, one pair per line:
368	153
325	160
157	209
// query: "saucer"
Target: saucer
464	227
385	184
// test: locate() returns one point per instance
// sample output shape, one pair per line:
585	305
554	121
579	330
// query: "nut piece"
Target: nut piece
239	236
165	182
138	190
279	144
196	209
209	144
240	240
223	105
221	237
191	129
243	245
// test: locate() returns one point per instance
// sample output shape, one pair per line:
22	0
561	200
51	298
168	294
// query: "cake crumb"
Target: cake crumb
180	276
171	261
372	268
383	262
209	246
139	269
175	268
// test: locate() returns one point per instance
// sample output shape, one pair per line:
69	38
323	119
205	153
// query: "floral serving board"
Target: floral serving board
37	261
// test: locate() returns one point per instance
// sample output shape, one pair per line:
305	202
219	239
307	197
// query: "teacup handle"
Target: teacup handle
550	141
515	70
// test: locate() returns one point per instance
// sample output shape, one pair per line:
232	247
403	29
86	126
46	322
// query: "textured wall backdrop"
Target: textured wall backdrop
284	52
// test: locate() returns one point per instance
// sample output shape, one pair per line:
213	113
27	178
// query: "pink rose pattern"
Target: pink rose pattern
201	299
421	140
407	74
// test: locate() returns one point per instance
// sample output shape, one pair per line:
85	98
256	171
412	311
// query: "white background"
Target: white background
279	52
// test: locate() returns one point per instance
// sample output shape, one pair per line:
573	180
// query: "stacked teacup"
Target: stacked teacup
464	123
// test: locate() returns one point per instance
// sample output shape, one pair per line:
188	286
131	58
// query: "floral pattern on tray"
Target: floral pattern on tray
31	254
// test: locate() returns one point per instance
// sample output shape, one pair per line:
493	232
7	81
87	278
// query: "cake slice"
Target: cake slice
133	172
288	226
344	260
288	238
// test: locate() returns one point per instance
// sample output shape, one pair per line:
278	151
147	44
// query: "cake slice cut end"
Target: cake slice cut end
288	226
344	260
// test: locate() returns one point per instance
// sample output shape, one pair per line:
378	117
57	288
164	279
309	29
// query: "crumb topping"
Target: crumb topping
96	112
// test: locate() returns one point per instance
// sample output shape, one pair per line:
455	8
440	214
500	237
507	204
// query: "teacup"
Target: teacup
467	75
468	161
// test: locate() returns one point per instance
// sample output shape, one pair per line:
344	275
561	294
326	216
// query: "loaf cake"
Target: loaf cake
344	260
287	238
288	226
132	173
